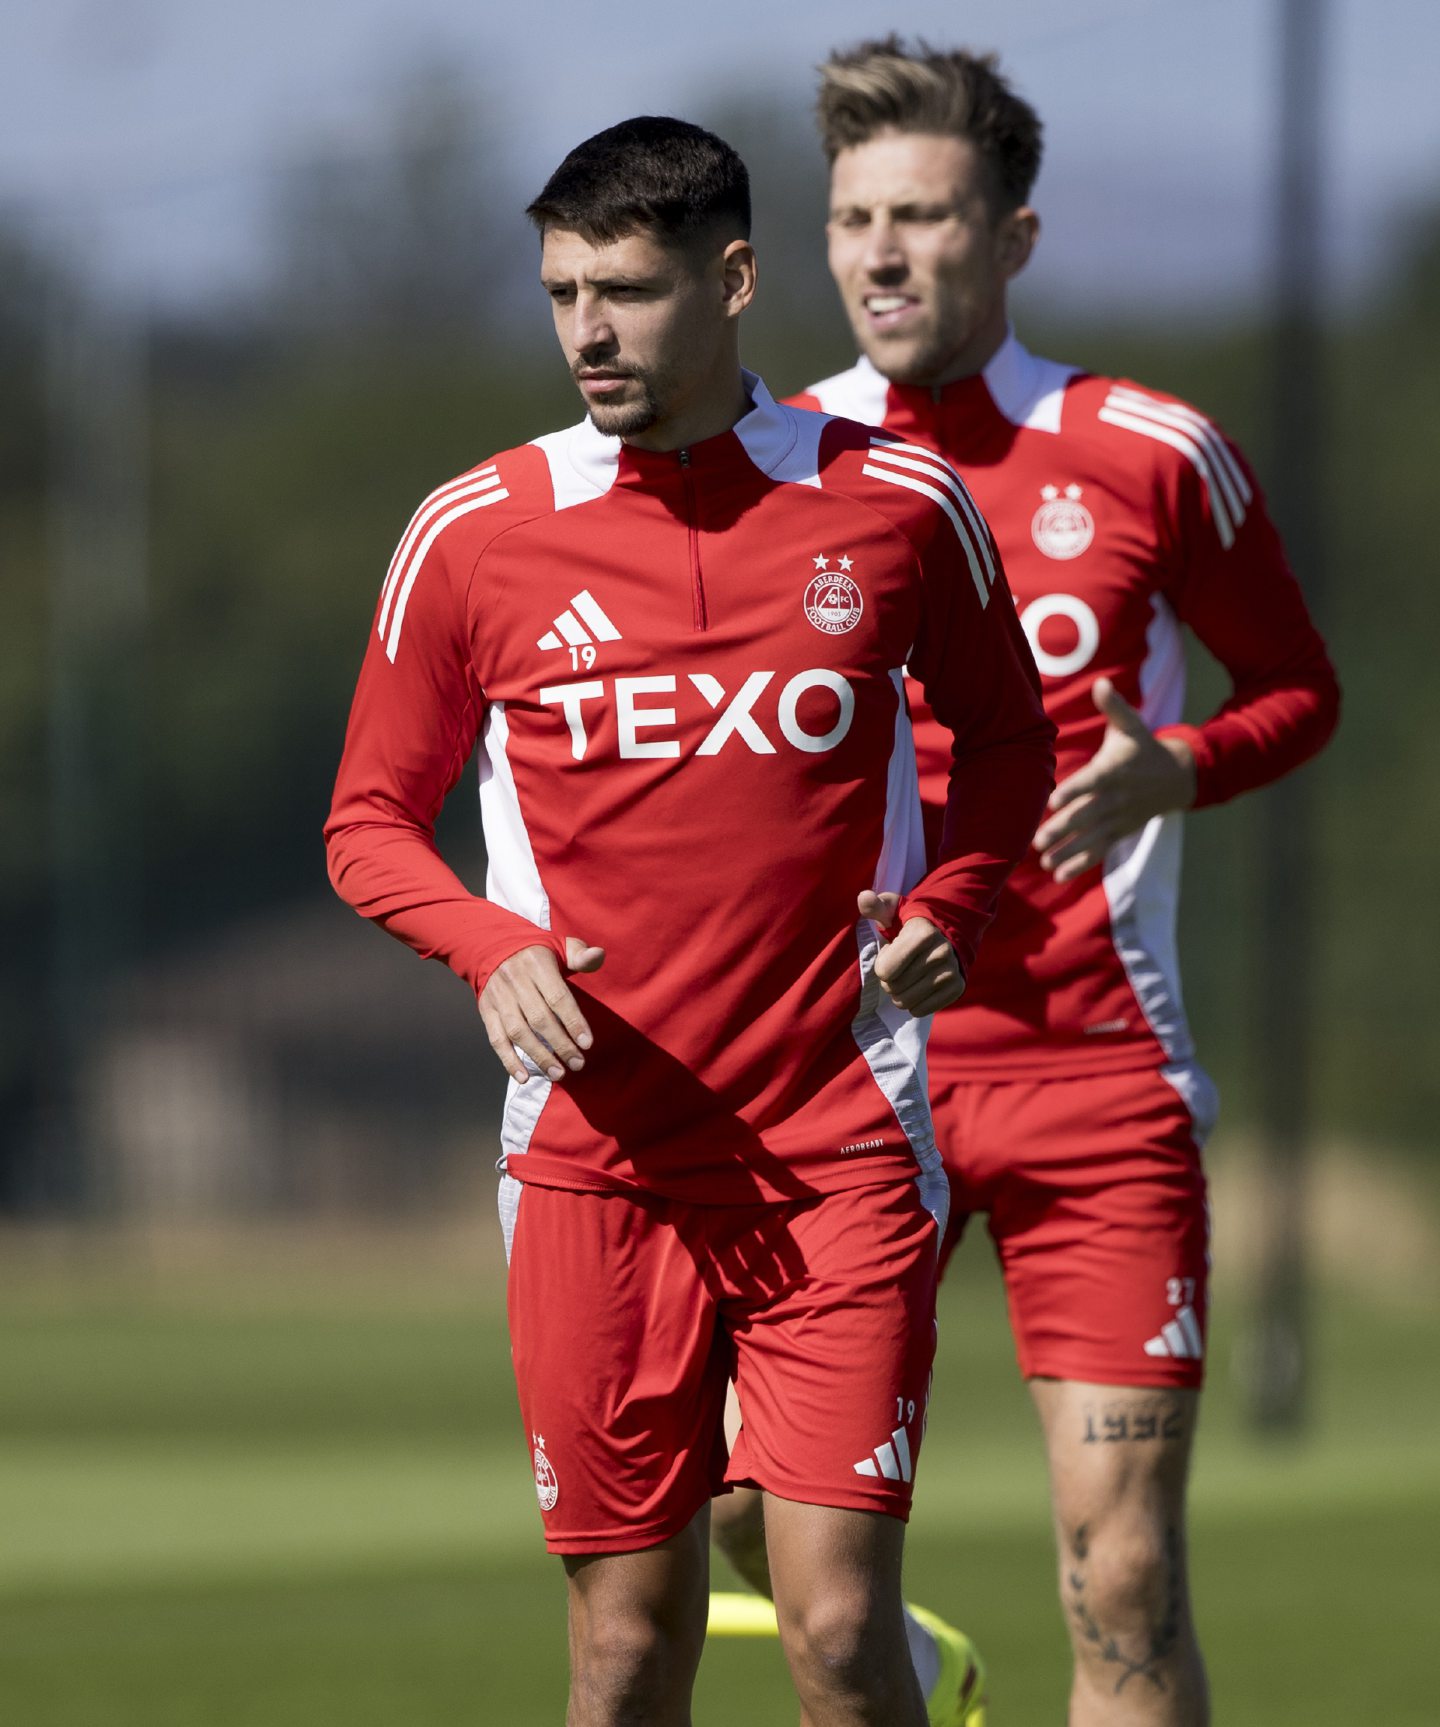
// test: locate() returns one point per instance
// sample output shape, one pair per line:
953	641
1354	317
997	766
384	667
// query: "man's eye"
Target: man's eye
852	219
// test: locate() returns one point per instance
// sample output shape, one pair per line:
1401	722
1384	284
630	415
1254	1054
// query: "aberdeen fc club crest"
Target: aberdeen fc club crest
1062	527
832	601
547	1487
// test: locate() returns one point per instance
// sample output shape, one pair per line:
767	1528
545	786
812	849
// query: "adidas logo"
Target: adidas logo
892	1459
571	629
1179	1338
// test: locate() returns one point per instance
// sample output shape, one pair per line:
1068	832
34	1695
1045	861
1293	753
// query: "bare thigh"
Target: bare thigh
637	1628
836	1576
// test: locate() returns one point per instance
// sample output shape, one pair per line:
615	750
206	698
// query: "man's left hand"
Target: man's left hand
1132	776
917	969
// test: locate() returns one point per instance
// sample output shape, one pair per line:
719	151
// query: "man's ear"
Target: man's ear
738	272
1019	231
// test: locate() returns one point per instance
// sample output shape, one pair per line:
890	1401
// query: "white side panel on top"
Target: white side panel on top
512	878
523	1106
893	1044
1142	872
1197	1091
902	851
892	1040
508	1200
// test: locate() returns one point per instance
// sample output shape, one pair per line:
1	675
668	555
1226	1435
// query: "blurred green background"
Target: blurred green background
271	1483
259	1455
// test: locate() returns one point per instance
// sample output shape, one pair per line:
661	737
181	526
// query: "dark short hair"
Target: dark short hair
678	181
889	86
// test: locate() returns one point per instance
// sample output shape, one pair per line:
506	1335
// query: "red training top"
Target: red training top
686	670
1120	514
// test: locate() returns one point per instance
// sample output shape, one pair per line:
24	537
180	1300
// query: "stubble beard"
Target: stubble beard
627	419
917	363
919	360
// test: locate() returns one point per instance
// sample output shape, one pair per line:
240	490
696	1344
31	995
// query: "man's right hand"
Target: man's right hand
527	1006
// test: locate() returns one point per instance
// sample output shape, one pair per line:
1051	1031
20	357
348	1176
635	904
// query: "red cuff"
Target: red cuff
1207	791
961	933
493	955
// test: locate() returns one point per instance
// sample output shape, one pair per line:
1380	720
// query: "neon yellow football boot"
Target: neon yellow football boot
958	1699
733	1614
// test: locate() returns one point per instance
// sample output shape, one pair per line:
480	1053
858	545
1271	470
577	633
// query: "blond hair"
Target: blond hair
888	86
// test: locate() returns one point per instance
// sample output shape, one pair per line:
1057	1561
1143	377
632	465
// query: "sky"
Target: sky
145	137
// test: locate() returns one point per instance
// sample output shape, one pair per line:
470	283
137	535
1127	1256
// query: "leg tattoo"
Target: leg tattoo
1163	1636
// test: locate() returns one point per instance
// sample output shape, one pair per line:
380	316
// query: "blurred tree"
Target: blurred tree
1419	289
1381	798
796	331
25	283
407	241
27	280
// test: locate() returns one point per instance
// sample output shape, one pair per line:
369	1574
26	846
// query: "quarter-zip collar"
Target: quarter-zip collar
762	438
1015	388
930	408
762	441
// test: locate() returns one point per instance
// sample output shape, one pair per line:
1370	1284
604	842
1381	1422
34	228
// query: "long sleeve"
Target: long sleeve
1234	588
417	710
978	677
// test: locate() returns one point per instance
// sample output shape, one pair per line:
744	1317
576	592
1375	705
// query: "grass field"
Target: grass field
242	1496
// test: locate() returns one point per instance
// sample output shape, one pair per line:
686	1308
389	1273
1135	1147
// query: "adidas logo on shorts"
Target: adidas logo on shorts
892	1459
1179	1338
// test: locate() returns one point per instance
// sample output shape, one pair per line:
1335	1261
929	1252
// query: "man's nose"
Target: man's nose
884	257
592	329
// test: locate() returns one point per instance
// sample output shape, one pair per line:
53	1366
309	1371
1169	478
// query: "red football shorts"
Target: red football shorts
1096	1202
629	1315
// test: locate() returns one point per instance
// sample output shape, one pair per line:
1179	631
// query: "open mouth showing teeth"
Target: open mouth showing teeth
882	303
